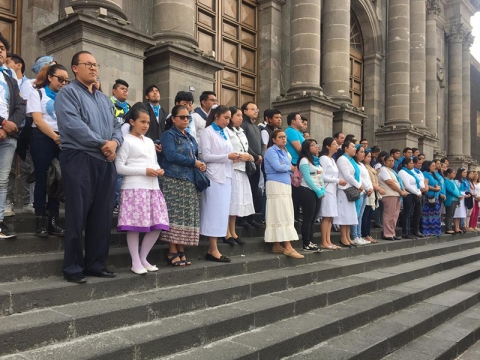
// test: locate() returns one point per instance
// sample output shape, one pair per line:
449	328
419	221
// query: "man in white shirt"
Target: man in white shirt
417	211
200	114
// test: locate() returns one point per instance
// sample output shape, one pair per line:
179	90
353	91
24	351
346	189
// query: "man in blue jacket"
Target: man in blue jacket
90	135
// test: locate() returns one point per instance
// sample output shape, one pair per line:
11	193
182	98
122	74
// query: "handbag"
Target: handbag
469	201
201	180
352	193
296	177
431	201
250	167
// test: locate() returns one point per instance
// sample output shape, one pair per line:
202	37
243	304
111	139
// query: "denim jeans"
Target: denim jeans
7	152
356	230
43	150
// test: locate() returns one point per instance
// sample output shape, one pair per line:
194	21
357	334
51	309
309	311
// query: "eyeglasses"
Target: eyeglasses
281	137
256	110
314	145
62	80
183	117
90	65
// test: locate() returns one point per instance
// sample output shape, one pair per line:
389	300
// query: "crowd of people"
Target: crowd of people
175	175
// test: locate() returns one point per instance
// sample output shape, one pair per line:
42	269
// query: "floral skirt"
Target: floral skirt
142	210
183	201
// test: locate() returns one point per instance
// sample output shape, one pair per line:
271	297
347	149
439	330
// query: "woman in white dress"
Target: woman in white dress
347	213
461	211
328	208
241	203
218	154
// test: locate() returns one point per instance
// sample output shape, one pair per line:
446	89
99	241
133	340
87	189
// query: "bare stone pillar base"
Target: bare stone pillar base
318	110
173	68
348	120
118	49
456	162
427	145
392	137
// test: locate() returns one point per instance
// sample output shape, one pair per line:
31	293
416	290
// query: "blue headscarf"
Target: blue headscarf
41	63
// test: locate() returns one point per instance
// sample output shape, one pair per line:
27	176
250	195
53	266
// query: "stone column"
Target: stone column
305	48
174	21
417	63
455	90
398	64
433	10
91	7
269	51
336	50
467	129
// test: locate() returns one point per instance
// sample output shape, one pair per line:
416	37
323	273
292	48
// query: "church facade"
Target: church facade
397	72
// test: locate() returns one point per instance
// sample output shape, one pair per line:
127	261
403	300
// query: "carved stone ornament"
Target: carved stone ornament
433	7
457	32
440	75
468	39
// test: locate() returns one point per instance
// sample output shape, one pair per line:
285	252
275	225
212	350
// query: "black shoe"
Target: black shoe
229	241
103	273
53	228
345	246
115	210
310	247
377	226
243	223
419	235
390	238
239	241
255	224
5	232
397	238
76	278
299	220
222	258
41	227
409	236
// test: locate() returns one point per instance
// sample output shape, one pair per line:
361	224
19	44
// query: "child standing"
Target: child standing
142	207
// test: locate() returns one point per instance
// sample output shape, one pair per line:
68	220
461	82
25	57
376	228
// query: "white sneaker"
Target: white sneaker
358	241
365	241
8	211
28	209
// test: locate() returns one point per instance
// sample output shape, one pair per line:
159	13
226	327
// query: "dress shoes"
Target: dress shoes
255	224
243	223
229	241
222	259
141	271
419	235
151	268
293	253
390	238
239	240
397	238
409	236
76	278
103	273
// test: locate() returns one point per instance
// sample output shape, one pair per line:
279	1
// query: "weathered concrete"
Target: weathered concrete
466	96
173	21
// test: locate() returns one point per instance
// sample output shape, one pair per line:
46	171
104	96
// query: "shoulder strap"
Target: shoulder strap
40	94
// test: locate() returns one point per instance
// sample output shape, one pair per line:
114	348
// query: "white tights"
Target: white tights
139	259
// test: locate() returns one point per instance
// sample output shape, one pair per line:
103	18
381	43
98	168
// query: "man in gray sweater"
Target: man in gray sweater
90	135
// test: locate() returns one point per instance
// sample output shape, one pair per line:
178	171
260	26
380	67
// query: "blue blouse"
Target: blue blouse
432	182
277	165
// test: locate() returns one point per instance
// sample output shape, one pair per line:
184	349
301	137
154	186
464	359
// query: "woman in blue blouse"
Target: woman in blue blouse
279	214
431	222
464	187
451	202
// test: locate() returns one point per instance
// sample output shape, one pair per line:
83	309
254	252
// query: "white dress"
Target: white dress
328	207
241	203
347	212
461	210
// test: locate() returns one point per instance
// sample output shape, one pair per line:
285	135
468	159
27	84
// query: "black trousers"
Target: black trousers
254	179
417	216
89	185
409	203
311	206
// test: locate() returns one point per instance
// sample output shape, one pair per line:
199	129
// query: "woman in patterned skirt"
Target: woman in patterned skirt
431	222
179	158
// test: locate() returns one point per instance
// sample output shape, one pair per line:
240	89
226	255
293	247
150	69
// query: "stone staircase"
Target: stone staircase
393	300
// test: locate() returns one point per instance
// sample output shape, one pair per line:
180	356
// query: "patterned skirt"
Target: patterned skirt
431	222
142	210
183	201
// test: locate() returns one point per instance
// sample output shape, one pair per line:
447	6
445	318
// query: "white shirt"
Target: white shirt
384	175
133	158
27	88
347	172
330	174
365	178
240	144
215	150
315	173
265	136
4	96
44	106
409	182
199	126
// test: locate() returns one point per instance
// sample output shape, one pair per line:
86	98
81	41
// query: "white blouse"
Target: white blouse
347	172
409	182
330	174
240	144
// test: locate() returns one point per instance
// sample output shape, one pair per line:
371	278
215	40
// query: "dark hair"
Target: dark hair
404	163
183	96
375	149
42	77
458	176
367	151
393	151
76	57
150	88
350	137
291	117
175	111
422	154
406	149
233	110
204	96
326	142
119	82
381	156
363	140
134	112
245	106
17	60
304	118
4	42
385	158
219	110
337	135
265	114
270	113
415	149
415	159
305	151
345	145
448	171
357	149
426	167
274	134
442	160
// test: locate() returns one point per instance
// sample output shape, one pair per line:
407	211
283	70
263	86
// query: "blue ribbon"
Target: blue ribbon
219	130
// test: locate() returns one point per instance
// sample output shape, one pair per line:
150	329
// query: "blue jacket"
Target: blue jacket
451	191
277	165
432	182
86	120
179	153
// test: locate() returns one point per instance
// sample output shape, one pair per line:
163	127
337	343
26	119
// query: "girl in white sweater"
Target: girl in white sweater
142	207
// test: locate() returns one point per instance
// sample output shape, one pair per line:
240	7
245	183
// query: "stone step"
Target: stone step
20	296
447	341
198	308
362	328
473	353
38	266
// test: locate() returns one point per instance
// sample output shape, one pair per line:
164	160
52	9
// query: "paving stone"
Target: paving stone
473	353
222	350
323	352
406	354
305	299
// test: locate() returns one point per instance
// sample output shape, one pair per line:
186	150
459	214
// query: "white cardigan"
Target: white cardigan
409	182
347	172
133	158
365	178
330	174
239	143
215	150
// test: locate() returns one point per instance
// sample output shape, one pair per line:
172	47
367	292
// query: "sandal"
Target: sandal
184	260
171	257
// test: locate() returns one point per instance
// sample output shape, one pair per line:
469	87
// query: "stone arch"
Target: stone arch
373	55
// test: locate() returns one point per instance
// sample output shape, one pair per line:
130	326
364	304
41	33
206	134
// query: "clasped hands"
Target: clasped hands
109	149
155	173
8	128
